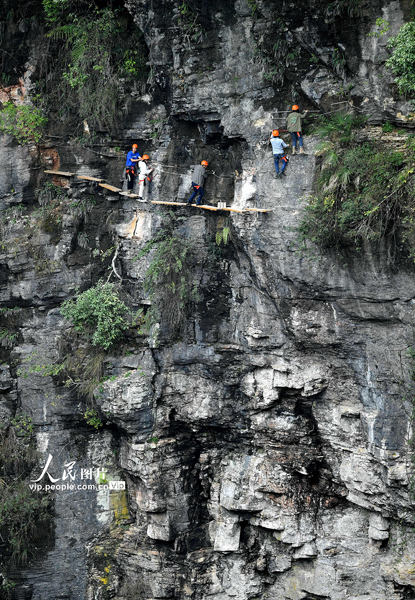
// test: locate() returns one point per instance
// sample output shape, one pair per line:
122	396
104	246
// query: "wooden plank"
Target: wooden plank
206	207
88	178
110	187
129	195
61	173
169	203
259	209
232	210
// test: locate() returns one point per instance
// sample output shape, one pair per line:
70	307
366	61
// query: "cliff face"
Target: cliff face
264	443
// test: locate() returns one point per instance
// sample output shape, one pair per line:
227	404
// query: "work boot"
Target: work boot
277	176
283	173
294	152
302	151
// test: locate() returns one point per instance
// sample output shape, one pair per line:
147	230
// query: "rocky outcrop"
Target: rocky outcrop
264	447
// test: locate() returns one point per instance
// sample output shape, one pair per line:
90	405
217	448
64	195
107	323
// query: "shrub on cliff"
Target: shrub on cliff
23	121
363	192
169	280
99	313
402	61
25	516
97	58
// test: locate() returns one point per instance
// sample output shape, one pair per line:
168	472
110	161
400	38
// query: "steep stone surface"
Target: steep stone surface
264	448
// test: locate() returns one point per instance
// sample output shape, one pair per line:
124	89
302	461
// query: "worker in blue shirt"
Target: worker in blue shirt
130	166
278	146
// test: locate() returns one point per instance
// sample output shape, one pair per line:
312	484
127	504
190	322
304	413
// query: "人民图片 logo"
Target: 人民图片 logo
91	478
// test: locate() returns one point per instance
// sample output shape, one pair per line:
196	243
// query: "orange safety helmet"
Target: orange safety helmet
145	157
275	133
135	146
204	163
295	107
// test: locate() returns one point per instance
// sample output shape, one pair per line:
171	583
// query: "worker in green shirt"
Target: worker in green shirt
294	127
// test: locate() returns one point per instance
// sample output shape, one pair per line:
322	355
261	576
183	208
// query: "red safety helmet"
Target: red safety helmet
295	107
145	157
275	133
204	163
135	146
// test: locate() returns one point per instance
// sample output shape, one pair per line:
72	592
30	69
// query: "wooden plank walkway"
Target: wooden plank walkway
204	206
233	210
110	187
169	203
61	173
88	178
129	195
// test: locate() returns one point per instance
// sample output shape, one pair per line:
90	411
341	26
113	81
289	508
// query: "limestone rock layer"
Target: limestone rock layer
264	442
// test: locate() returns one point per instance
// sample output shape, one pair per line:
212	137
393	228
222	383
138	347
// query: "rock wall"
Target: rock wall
265	447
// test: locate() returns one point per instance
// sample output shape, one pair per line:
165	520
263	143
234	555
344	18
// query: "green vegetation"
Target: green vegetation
387	127
336	8
48	218
81	207
92	419
7	337
338	128
382	27
44	370
99	314
6	587
254	7
169	281
402	60
189	24
101	58
8	319
25	517
49	193
82	367
272	52
338	61
23	121
222	235
53	202
364	192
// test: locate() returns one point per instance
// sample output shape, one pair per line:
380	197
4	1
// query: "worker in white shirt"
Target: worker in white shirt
143	176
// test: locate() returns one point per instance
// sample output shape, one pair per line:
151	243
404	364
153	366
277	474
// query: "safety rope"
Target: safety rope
164	165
